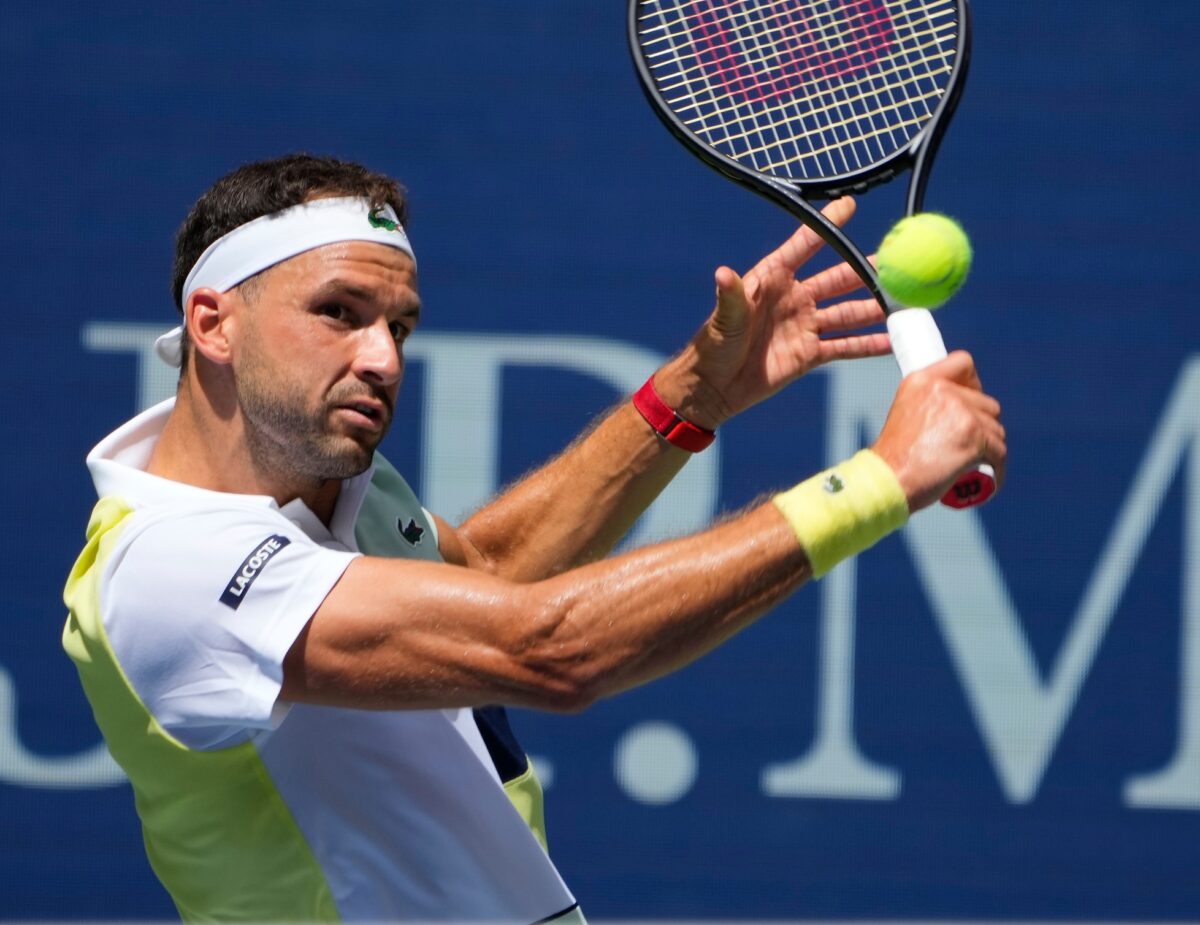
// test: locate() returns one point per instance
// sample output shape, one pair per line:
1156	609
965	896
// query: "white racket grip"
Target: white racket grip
916	340
917	343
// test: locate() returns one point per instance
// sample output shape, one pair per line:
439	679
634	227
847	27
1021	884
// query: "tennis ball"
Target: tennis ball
924	259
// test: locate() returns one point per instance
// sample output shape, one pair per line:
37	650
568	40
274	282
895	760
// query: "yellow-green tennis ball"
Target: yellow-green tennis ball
924	259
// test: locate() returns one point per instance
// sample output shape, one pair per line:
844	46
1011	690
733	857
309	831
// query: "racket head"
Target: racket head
821	97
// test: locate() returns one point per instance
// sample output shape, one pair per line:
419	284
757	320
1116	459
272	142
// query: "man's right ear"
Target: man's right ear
210	323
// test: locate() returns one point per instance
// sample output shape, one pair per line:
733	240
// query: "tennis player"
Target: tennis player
297	665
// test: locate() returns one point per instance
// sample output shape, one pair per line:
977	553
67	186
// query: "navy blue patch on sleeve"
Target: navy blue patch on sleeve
507	754
250	569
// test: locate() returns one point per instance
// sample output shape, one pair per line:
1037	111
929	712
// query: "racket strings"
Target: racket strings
805	91
843	110
836	108
829	101
766	41
772	27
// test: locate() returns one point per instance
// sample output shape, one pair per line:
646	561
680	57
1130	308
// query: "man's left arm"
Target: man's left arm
764	333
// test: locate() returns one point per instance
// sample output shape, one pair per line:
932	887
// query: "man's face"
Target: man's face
318	356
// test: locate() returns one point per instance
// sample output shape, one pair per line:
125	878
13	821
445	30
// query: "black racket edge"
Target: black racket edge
794	196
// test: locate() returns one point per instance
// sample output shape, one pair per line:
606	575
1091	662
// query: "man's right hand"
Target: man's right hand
940	425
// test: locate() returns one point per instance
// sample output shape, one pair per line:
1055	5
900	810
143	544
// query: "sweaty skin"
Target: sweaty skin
292	383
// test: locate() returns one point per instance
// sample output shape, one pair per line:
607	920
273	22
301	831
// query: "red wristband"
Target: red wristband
667	423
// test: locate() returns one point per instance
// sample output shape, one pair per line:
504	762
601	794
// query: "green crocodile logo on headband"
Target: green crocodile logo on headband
382	221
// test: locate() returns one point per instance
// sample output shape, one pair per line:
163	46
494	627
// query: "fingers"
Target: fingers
942	424
849	316
797	249
732	308
833	283
841	210
854	348
983	432
995	449
981	402
996	454
959	367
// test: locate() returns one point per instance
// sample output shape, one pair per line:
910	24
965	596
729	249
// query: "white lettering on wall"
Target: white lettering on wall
19	766
461	463
1020	714
155	379
463	398
462	419
1019	711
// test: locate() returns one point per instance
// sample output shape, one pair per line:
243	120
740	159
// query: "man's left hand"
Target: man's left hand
767	331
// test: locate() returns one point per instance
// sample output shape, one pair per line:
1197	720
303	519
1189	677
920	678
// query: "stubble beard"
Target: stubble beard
283	435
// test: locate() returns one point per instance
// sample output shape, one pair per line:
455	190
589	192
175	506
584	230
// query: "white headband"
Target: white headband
271	239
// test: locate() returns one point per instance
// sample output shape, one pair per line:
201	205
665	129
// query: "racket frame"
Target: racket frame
795	195
915	334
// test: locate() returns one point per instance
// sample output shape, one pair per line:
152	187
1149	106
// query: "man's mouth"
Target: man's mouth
368	414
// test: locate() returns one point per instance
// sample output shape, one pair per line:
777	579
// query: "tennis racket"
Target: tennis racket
803	100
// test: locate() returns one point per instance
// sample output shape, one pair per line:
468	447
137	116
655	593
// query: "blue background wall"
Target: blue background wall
549	202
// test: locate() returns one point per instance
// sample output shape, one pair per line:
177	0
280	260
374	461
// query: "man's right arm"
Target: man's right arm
402	634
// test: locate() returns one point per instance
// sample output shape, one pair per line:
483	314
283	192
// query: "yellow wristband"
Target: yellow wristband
844	510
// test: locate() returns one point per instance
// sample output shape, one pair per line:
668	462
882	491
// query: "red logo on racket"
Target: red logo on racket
794	50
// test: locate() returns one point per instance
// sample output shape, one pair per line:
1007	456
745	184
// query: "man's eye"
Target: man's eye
335	311
399	331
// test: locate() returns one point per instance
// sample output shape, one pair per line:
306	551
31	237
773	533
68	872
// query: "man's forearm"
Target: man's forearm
577	507
400	634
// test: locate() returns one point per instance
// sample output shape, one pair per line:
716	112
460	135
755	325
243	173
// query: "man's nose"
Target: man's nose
378	355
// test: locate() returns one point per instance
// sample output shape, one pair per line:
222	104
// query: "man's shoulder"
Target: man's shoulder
190	518
158	550
208	564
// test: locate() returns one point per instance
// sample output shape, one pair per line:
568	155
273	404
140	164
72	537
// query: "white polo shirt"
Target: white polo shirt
182	607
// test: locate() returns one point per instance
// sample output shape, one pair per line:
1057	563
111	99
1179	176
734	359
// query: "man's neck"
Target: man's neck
201	447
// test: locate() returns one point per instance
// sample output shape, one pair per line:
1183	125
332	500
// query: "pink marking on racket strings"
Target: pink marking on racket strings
796	54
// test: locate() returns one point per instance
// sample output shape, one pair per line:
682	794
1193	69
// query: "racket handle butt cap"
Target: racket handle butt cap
972	488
